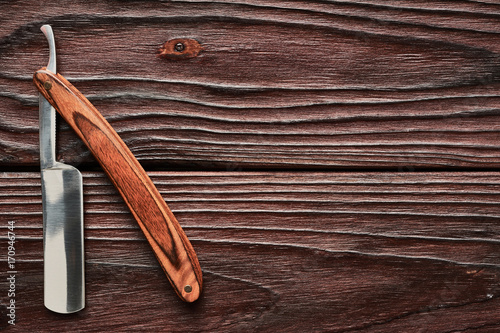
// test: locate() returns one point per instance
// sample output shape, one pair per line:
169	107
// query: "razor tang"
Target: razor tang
62	201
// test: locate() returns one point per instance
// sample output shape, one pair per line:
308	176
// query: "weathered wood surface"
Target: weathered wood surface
299	85
290	84
281	252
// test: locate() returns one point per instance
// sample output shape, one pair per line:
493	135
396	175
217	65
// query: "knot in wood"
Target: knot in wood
180	48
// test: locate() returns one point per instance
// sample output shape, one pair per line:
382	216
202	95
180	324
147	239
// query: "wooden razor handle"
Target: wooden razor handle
169	242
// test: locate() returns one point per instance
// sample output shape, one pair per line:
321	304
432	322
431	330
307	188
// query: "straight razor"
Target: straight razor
62	200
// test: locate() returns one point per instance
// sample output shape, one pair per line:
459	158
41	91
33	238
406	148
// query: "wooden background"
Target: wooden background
335	163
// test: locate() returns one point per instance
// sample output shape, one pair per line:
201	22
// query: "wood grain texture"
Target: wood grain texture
297	85
288	84
281	252
160	227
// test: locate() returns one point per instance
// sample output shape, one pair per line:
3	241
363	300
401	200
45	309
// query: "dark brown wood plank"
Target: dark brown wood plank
278	84
369	252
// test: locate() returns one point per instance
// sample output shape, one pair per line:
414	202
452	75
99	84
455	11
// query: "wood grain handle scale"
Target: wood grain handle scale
166	237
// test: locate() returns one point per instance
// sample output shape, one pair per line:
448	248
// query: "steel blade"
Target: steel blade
62	199
64	279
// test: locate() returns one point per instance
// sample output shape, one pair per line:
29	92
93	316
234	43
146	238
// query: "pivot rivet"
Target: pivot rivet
47	85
